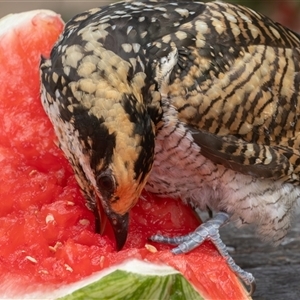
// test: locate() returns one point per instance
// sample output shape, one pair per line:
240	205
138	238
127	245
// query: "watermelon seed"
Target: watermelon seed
43	272
68	268
32	172
70	203
55	247
49	218
32	259
102	258
150	248
84	222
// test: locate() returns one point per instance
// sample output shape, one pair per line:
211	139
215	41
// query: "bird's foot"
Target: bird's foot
208	231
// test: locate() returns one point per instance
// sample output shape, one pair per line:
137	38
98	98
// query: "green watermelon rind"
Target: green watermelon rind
135	280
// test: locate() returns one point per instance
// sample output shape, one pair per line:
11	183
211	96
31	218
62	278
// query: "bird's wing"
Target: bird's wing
254	159
236	86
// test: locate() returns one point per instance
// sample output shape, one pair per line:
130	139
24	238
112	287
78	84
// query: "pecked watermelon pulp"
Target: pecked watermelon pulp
47	238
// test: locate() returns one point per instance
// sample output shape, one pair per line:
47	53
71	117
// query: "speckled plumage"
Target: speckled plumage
188	99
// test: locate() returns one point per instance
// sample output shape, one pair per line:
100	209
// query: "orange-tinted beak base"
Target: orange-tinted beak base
119	224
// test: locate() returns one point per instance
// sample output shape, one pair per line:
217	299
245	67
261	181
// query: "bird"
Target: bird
191	100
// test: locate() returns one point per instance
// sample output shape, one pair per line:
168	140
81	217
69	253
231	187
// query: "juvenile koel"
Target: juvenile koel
198	101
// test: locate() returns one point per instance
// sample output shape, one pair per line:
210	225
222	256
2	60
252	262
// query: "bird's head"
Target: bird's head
115	152
118	179
104	126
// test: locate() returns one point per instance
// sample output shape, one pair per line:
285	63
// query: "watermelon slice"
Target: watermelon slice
48	244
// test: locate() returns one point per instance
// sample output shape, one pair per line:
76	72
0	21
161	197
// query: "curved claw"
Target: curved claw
252	287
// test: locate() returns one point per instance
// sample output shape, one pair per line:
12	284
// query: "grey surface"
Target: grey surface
276	269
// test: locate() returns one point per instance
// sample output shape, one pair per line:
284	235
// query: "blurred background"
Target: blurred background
286	12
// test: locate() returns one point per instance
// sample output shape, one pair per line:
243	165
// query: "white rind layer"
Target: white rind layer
132	265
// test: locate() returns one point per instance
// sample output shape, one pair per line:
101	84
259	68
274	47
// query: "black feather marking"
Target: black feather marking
95	136
142	127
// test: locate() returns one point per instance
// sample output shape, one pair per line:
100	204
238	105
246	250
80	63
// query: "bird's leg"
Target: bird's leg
208	231
210	212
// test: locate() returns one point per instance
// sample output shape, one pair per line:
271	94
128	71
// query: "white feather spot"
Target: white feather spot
127	47
275	32
230	17
129	29
181	35
244	17
182	11
201	27
136	47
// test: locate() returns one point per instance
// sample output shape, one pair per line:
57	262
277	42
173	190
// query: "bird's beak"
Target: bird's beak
119	224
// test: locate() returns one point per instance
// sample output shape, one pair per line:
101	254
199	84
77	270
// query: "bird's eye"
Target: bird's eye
106	183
